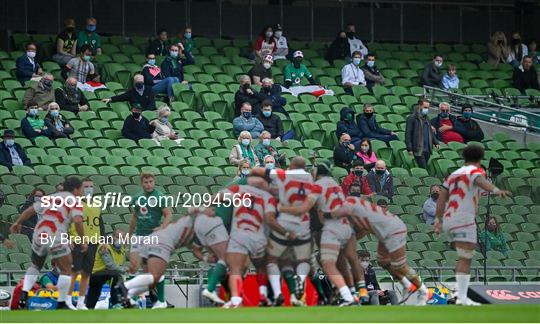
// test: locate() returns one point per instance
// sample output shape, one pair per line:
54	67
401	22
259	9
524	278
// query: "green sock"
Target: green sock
288	275
216	274
160	291
318	284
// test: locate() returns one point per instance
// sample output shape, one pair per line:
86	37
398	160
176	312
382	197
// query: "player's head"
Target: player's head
73	185
259	178
322	169
297	162
364	258
355	190
88	187
473	153
148	182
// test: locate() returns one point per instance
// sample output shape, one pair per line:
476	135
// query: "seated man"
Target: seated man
471	131
246	122
272	92
41	93
265	148
262	70
525	76
357	177
271	122
12	153
246	94
372	75
346	124
431	76
80	67
137	127
344	152
32	125
58	127
380	180
49	279
26	66
139	95
446	125
352	75
71	98
295	71
370	128
376	295
430	205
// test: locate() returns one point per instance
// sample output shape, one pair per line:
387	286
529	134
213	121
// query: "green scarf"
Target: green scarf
248	153
36	122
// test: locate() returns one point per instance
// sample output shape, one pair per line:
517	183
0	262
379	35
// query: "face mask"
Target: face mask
350	35
245	142
91	28
438	64
346	143
364	148
467	114
268	34
368	115
435	196
358	173
136	115
87	58
371	63
245	172
267	65
364	264
267	89
139	85
88	191
37	198
380	172
173	54
444	115
70	29
355	194
10	142
267	113
269	166
116	244
33	112
350	117
164	119
46	83
492	227
516	41
266	142
247	114
278	34
246	86
187	35
152	62
425	111
55	113
356	61
31	54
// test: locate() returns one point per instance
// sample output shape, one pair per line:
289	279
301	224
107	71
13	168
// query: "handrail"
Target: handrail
444	3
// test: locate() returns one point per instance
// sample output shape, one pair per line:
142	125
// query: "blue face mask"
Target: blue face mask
444	115
371	63
55	113
267	113
467	114
164	119
245	142
33	112
266	142
247	114
356	61
269	166
10	142
152	62
91	28
173	54
187	35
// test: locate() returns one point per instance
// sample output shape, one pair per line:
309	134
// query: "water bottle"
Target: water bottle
176	273
494	118
142	302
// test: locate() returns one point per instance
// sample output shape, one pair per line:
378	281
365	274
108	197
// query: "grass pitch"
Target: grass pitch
403	314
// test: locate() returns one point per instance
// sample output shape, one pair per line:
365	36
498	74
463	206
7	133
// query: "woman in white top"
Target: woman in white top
517	50
244	151
164	129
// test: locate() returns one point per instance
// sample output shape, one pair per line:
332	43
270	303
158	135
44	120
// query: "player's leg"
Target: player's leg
356	268
383	259
400	268
262	280
329	257
86	271
63	263
30	277
217	273
303	268
465	252
236	262
273	252
143	282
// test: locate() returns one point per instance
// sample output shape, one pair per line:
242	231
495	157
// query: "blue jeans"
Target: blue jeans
165	86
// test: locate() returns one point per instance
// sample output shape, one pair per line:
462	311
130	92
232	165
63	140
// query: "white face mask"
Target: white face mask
31	54
364	264
438	64
267	65
278	34
88	191
269	34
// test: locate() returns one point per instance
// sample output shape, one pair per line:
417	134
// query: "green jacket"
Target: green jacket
495	241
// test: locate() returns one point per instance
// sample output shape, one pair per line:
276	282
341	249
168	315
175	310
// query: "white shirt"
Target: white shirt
352	74
282	48
512	56
357	45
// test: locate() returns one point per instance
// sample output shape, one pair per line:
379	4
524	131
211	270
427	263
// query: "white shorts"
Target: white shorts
210	230
47	246
397	239
277	248
158	250
137	246
336	234
245	242
460	228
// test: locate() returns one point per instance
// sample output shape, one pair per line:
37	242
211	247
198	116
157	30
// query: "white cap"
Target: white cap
298	54
269	58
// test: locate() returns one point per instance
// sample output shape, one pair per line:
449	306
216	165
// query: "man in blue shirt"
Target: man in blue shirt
26	65
12	153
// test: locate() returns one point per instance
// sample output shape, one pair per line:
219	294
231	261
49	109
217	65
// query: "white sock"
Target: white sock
345	293
80	300
63	284
236	300
423	289
406	283
263	290
69	300
137	291
302	270
462	282
30	278
275	278
143	280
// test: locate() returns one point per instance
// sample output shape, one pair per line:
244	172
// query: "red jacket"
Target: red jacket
352	178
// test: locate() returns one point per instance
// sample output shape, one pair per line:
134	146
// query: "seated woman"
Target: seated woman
58	127
164	128
244	150
154	78
366	152
32	125
244	168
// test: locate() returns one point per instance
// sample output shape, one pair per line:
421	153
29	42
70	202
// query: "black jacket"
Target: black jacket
146	101
343	156
338	50
387	189
156	47
5	156
65	103
371	279
414	134
49	122
525	79
471	131
172	67
242	96
272	124
349	127
137	130
274	95
431	76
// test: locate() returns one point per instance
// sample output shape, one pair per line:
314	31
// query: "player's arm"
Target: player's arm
483	183
197	251
271	220
343	211
79	228
167	217
299	209
132	224
25	215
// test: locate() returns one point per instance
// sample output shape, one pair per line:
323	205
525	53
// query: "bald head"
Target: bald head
258	182
298	162
71	81
380	165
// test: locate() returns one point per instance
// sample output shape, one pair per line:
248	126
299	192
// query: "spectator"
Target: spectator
376	295
282	47
450	80
265	148
244	168
517	50
243	151
533	53
271	122
419	135
59	187
344	153
188	43
32	125
380	180
525	76
371	73
26	66
66	43
352	75
153	78
139	95
12	153
164	128
71	98
446	125
493	239
246	122
356	177
28	225
269	162
431	76
497	49
90	37
369	127
262	70
339	49
383	203
366	153
295	71
172	65
54	122
346	124
272	92
80	67
265	44
470	129
430	205
159	45
246	94
137	127
41	93
355	44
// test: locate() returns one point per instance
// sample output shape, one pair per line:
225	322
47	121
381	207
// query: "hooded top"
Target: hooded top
348	126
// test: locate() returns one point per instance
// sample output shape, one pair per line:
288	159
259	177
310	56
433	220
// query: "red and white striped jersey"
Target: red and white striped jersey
463	192
180	232
294	188
330	199
374	219
58	220
250	216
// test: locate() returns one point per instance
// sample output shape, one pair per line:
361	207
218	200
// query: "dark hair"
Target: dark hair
85	48
175	45
356	53
370	54
365	139
349	24
72	183
433	186
30	43
473	153
33	192
161	30
356	185
437	55
31	103
496	223
382	202
525	57
363	254
465	106
267	102
263	31
422	101
357	162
